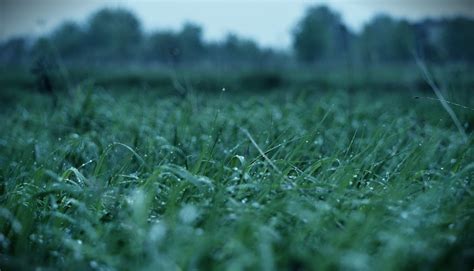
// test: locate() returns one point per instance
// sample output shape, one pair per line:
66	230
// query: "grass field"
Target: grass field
285	180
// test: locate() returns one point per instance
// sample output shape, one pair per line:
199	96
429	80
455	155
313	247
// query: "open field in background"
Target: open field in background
395	78
298	176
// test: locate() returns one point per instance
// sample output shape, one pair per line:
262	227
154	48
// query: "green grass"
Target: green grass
282	181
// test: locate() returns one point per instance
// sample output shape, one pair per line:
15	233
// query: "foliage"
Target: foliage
319	35
458	39
192	45
114	33
283	181
13	51
320	38
70	40
385	39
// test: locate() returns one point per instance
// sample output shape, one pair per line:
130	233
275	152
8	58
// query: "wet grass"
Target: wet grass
283	181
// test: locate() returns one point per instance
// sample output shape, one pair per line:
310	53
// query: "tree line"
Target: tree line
321	36
115	36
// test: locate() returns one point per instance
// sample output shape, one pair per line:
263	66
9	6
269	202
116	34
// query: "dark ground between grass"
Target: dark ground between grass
281	180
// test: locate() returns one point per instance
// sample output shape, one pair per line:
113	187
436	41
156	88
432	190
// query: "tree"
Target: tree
182	47
114	34
458	39
429	39
387	40
164	47
13	51
239	49
320	35
191	43
69	40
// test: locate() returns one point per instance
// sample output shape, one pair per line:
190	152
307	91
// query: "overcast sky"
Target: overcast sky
268	21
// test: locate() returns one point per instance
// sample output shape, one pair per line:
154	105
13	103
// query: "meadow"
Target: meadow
295	178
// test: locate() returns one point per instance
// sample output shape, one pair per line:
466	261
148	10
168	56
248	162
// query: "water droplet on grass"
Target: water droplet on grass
255	204
157	232
188	214
93	264
451	238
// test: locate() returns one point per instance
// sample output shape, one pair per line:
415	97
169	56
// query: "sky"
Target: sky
269	22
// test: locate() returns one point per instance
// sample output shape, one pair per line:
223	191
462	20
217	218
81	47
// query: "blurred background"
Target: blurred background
52	45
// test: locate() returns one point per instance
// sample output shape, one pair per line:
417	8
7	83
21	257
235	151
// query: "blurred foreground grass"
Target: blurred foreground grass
284	180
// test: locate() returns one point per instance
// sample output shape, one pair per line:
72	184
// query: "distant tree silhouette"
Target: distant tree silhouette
13	51
320	35
70	40
191	44
114	34
458	39
235	49
163	47
385	39
429	34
